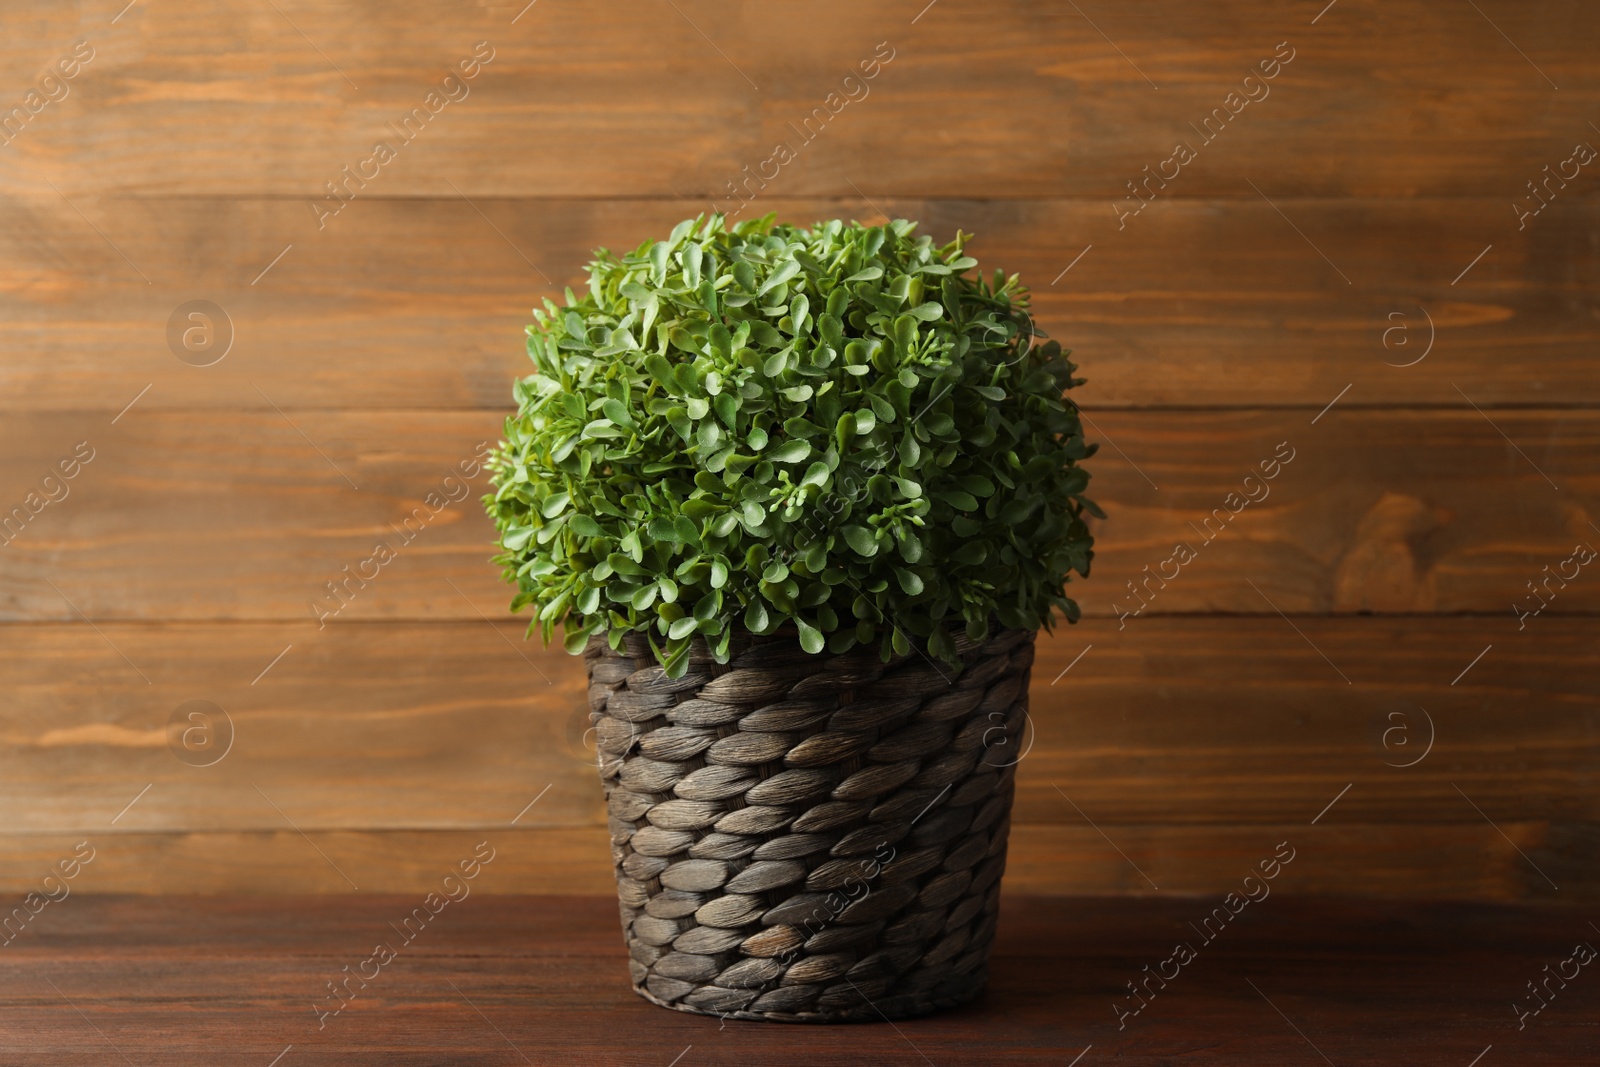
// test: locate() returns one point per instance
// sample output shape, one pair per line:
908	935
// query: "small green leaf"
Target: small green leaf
957	499
905	334
576	639
790	452
623	564
676	659
799	307
910	547
662	530
687	381
845	431
678	418
778	277
810	637
831	329
860	540
617	413
971	554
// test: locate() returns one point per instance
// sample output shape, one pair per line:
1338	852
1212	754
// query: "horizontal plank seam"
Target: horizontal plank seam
598	827
1385	409
1373	618
839	198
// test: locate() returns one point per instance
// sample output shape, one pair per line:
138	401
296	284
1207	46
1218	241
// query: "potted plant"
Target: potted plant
801	497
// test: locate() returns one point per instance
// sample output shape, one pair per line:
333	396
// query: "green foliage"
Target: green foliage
835	428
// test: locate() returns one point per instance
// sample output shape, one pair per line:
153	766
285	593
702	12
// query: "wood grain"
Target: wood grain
421	304
542	980
1018	100
250	514
1184	740
1261	297
1391	859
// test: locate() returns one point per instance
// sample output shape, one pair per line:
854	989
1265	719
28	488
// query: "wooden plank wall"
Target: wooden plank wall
1351	273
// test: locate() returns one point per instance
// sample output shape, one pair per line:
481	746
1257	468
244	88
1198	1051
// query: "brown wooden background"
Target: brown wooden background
1307	650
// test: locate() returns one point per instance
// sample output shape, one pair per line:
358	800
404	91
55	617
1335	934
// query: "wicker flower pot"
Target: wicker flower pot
809	838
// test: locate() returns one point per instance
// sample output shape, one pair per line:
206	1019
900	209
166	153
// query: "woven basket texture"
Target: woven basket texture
809	838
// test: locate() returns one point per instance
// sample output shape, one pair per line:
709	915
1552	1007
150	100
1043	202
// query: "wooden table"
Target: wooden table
514	979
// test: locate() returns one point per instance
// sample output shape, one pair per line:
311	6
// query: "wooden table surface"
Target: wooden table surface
528	979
